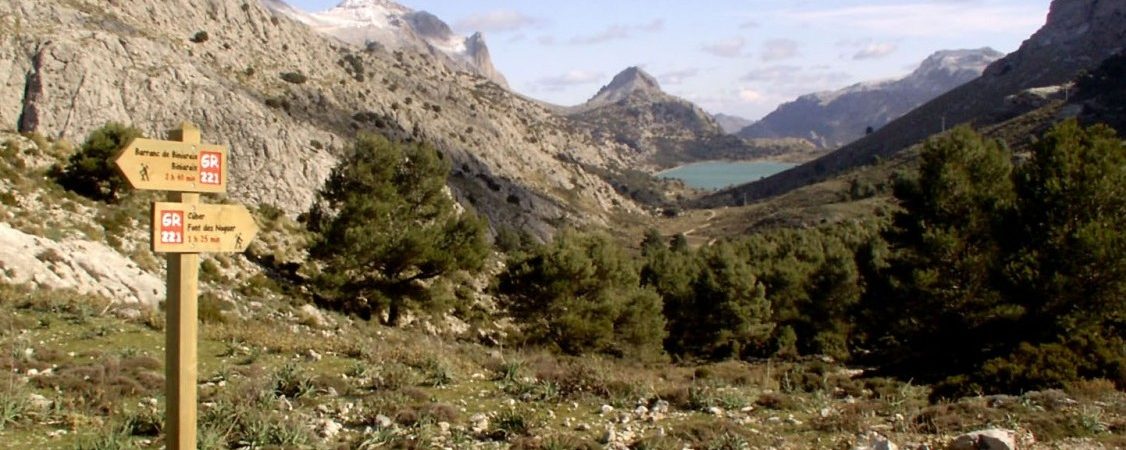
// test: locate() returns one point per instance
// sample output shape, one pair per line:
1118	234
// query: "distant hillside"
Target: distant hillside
832	119
1078	35
665	130
731	124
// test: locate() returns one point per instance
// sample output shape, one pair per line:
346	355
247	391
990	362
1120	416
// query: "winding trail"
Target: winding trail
707	223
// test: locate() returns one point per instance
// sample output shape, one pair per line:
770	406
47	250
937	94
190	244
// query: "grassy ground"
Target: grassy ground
76	375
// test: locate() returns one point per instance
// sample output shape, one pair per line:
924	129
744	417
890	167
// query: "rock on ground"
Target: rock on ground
991	439
874	441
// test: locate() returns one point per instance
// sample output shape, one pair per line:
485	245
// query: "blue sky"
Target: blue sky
735	57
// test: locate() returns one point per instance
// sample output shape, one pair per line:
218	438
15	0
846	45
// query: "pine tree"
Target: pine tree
582	294
387	223
945	309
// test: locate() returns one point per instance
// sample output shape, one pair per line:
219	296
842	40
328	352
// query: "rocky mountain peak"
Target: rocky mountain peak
394	26
625	83
428	25
963	64
366	10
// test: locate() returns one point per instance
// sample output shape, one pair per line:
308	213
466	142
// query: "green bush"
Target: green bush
200	37
91	171
294	77
582	294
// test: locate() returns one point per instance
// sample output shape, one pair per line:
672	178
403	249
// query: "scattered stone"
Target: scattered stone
606	409
312	316
444	427
609	436
328	428
990	439
383	421
39	402
640	411
715	410
583	427
128	313
479	423
661	407
874	441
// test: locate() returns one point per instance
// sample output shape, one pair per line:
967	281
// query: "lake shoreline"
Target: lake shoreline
730	161
720	174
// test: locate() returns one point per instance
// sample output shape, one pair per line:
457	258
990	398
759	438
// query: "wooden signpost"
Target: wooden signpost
183	228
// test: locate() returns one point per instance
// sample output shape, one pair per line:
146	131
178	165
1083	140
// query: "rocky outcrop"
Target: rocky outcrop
1078	36
83	266
395	27
832	119
74	65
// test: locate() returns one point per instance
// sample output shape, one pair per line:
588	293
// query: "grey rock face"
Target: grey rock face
832	119
67	67
395	27
84	266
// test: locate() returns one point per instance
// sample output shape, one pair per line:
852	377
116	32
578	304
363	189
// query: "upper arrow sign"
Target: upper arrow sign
174	166
201	228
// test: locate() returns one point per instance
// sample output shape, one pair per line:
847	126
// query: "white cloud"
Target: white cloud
778	49
619	31
727	48
748	25
788	81
750	95
677	76
566	80
499	20
875	51
929	19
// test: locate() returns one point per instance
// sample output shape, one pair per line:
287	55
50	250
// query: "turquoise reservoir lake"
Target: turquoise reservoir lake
721	174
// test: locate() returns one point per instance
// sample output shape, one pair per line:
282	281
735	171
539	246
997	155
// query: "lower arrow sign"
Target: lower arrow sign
201	228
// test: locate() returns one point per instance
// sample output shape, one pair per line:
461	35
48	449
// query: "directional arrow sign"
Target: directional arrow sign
174	166
201	228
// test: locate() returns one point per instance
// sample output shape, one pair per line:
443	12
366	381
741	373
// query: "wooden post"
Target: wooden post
181	330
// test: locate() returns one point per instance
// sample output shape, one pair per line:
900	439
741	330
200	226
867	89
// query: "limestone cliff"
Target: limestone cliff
287	101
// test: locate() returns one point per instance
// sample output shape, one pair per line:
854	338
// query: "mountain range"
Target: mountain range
295	89
1077	37
834	118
